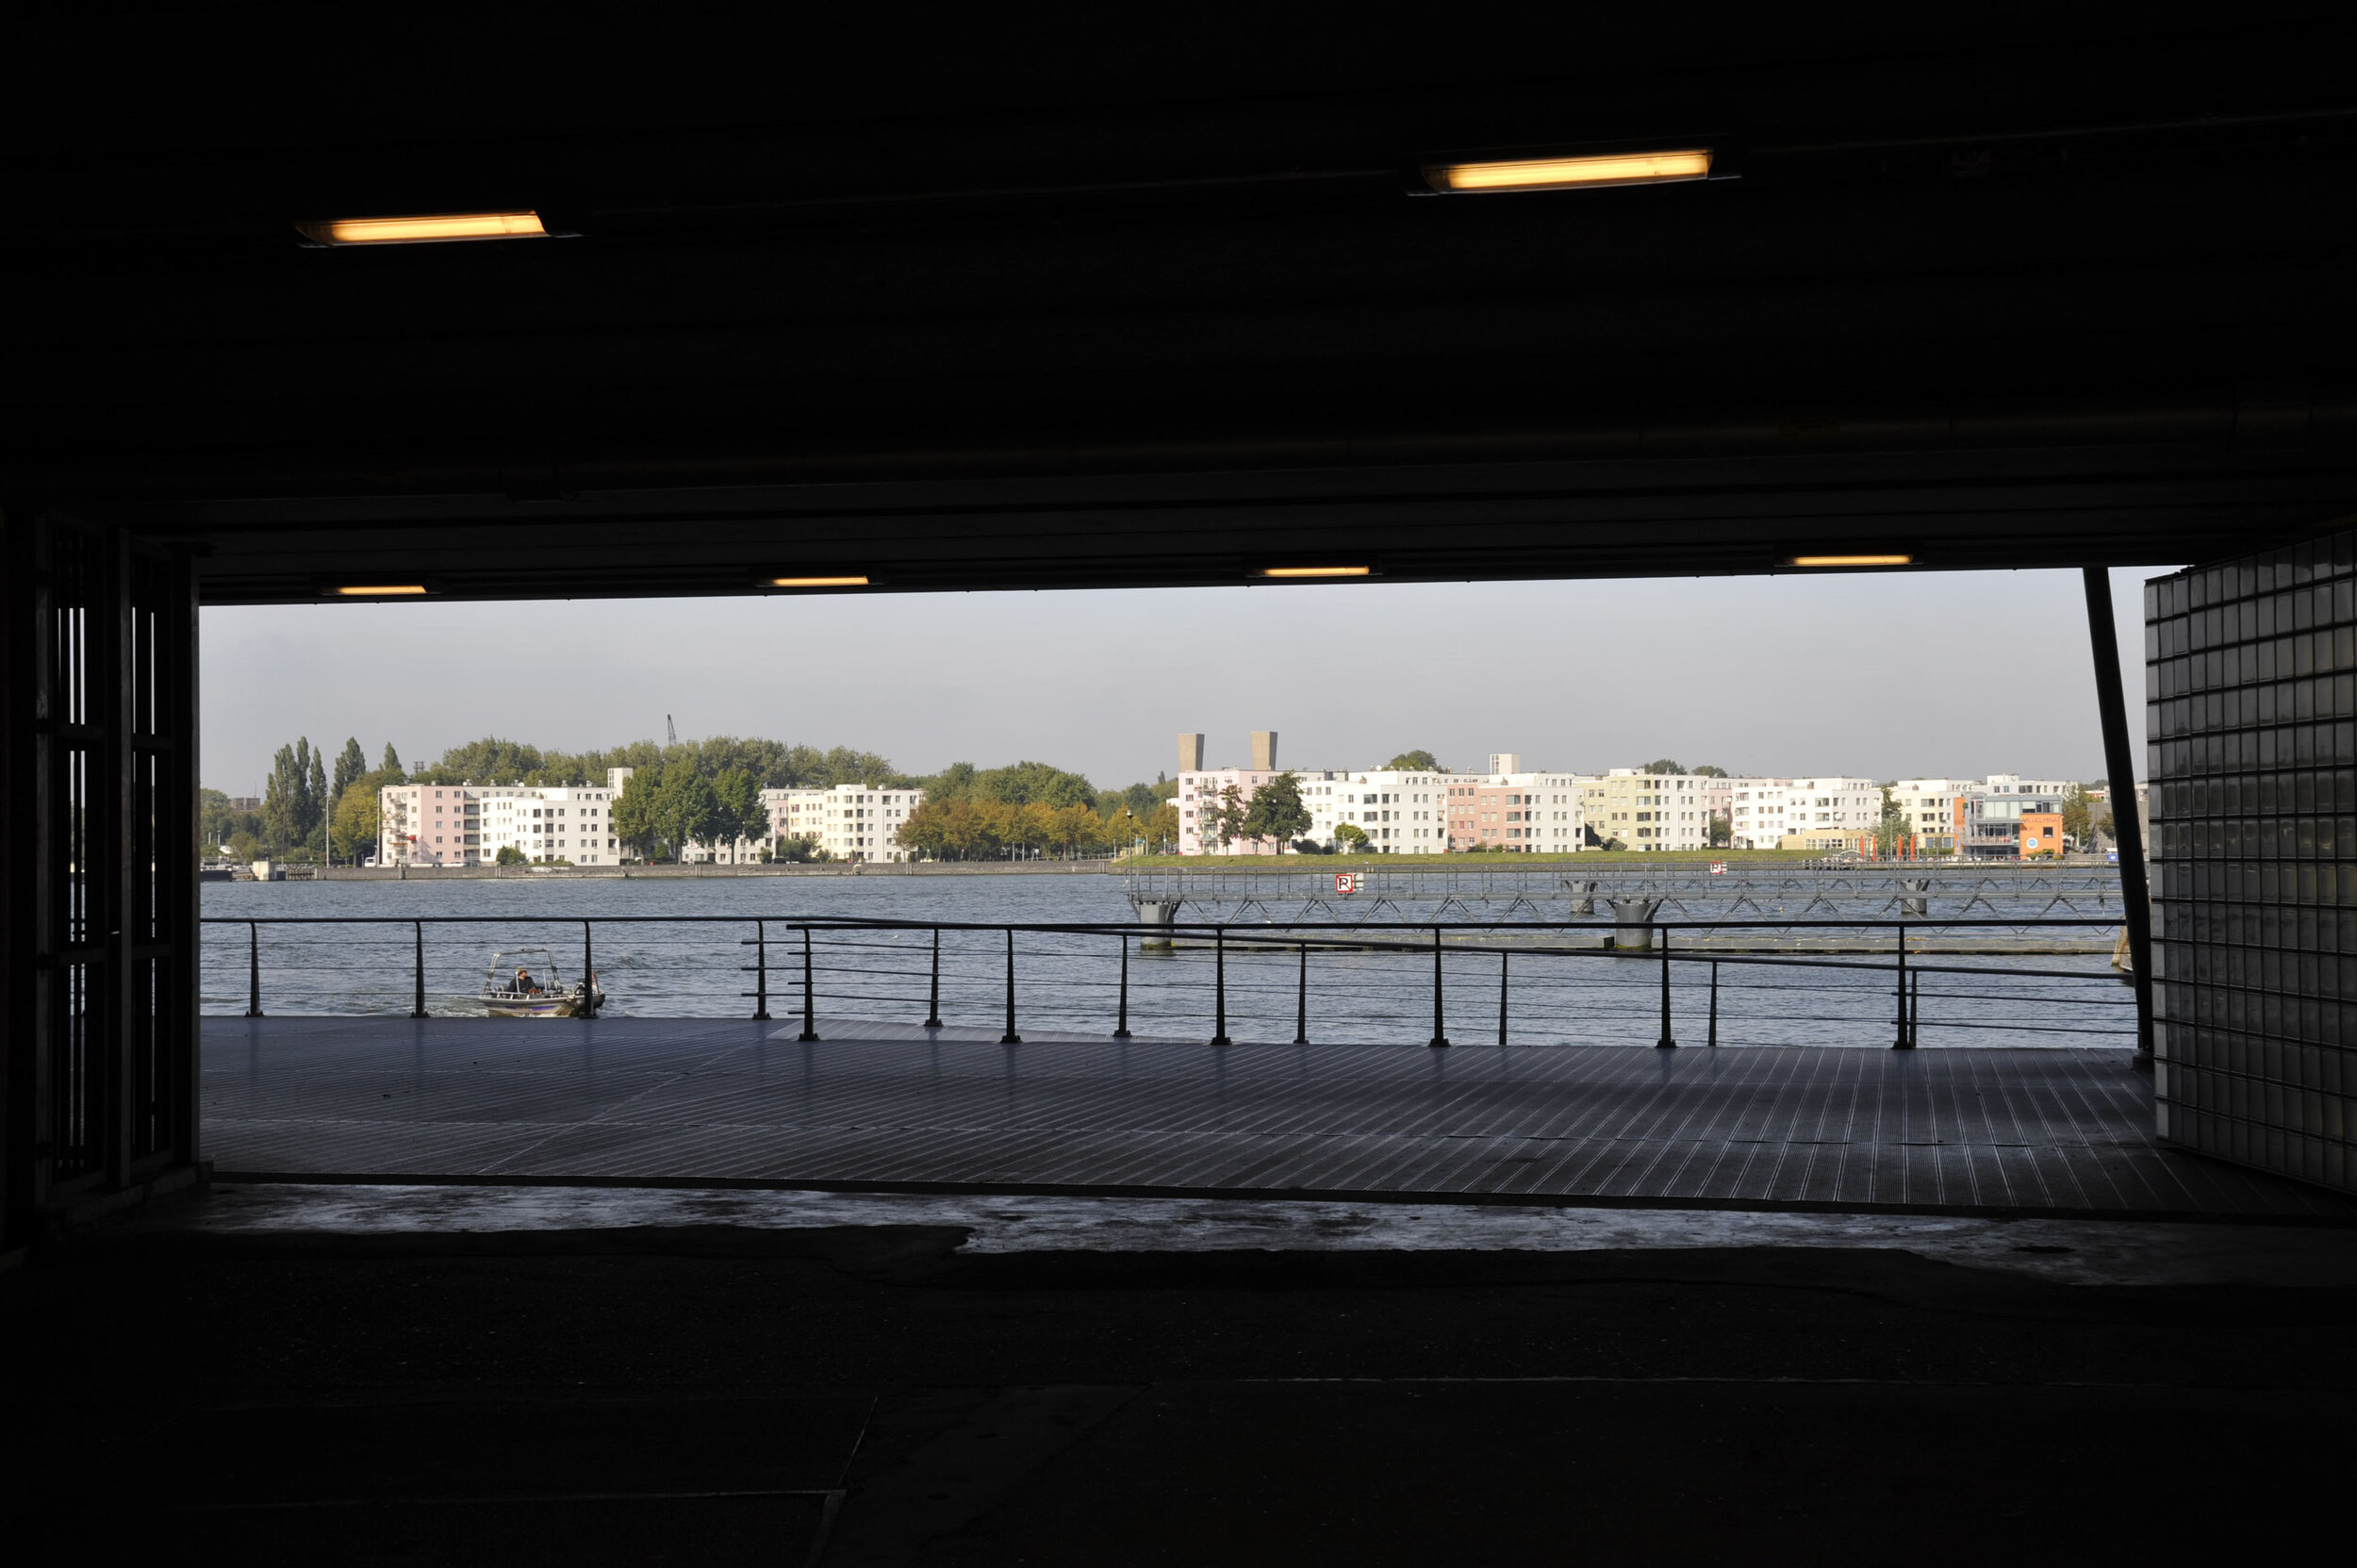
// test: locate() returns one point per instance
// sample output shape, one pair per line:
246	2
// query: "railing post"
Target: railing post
1714	1002
1440	1035
933	997
1219	986
761	971
1011	1037
1503	958
1668	1041
588	972
1121	1020
254	968
1915	1008
810	1012
1904	1041
416	1009
1301	1000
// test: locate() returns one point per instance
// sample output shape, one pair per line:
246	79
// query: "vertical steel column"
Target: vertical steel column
1440	1035
1301	1000
1121	1023
588	972
417	1007
1219	986
1713	1041
1915	1008
761	971
809	1008
1502	962
1011	1037
1668	1041
932	1000
2120	761
1904	1041
253	970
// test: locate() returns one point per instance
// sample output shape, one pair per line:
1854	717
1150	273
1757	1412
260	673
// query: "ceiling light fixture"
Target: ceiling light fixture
1315	572
1566	174
378	590
432	229
815	581
1852	560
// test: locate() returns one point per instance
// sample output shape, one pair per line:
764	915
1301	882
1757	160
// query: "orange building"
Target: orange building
2042	834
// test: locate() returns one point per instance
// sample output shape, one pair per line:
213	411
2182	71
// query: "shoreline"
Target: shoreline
658	874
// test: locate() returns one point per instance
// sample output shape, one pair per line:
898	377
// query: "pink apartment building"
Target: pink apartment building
420	824
1199	793
1487	815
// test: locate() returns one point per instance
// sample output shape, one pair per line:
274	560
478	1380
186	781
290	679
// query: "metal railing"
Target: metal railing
879	971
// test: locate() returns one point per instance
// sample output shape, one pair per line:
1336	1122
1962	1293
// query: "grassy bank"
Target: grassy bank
1458	861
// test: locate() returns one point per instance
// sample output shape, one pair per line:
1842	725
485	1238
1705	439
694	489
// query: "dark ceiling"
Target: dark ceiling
1039	304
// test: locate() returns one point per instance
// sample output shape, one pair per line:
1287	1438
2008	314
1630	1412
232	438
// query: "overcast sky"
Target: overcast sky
1886	675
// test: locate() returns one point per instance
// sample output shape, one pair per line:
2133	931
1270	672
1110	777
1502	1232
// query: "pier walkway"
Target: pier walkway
641	1101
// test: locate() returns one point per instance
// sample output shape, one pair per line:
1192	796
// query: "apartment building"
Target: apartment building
1201	790
1650	812
424	824
1400	812
1519	812
1929	806
550	822
430	824
847	821
1758	811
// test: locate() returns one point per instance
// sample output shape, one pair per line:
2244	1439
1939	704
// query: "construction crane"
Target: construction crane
670	729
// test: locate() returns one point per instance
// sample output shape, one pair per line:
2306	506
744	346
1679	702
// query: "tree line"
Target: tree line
705	791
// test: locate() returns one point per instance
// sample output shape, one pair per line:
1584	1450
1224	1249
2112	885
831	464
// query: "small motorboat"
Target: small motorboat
523	983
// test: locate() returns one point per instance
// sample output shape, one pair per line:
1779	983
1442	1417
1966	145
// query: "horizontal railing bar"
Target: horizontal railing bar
1235	933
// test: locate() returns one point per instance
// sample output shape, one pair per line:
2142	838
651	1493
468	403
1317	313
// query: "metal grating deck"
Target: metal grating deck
682	1099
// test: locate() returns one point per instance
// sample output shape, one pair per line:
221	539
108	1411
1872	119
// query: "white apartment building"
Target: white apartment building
1835	803
573	822
1930	808
1401	813
848	821
1759	812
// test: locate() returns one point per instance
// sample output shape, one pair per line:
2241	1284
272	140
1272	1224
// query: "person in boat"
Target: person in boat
523	984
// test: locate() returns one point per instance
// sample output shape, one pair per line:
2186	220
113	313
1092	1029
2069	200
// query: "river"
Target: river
1073	983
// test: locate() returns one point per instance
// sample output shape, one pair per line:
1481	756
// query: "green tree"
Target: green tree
1892	825
2078	814
1415	762
510	855
742	814
352	826
291	803
687	809
215	821
1722	830
1349	836
350	764
634	821
1705	770
392	765
1277	811
1222	818
1662	765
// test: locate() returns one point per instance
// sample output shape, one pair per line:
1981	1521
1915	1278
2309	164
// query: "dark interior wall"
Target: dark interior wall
2251	673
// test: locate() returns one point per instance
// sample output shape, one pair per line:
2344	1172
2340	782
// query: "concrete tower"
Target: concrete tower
1190	754
1264	750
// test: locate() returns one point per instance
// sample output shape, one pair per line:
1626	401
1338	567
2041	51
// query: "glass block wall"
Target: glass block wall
2250	670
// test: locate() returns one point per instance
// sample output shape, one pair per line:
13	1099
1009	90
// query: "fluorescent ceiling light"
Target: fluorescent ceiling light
378	590
1316	571
816	581
1852	560
429	230
1564	174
